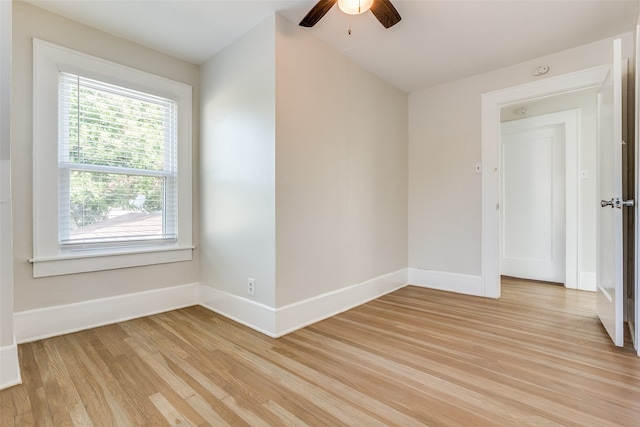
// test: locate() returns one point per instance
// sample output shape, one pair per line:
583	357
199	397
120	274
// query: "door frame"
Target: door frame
492	102
570	120
636	320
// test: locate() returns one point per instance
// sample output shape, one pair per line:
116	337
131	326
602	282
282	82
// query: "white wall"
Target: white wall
237	163
6	270
30	293
445	212
304	180
9	369
341	170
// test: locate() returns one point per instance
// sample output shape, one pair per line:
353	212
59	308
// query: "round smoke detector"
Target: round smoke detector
540	70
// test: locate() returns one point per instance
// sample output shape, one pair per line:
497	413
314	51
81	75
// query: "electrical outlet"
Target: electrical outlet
251	287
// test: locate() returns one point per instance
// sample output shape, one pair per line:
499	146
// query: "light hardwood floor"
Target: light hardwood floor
538	356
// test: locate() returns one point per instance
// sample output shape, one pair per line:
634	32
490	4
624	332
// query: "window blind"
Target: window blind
117	161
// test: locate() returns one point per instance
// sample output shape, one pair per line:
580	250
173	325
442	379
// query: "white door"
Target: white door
610	296
533	213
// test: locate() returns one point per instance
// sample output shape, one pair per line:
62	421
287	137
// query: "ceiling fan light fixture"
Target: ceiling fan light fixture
354	7
383	10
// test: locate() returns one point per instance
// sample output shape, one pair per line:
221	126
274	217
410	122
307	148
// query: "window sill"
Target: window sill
98	261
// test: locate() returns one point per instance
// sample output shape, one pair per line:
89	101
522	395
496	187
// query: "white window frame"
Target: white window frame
49	258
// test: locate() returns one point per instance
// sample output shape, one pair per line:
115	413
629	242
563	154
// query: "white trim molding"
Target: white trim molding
445	281
47	322
9	366
247	312
32	325
587	281
57	266
277	322
303	313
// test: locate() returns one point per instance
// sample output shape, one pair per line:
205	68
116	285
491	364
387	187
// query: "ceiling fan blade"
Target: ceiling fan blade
384	11
317	12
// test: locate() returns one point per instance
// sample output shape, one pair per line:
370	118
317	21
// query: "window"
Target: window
117	151
112	165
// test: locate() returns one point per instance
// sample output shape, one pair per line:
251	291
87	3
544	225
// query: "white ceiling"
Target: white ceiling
436	41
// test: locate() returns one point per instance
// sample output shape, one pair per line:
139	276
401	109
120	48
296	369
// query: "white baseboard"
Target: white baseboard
9	366
587	281
452	282
242	310
47	322
303	313
283	320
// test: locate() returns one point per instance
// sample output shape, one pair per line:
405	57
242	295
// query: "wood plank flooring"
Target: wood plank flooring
538	356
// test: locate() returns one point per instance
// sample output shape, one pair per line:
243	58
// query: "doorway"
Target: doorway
492	104
533	225
549	194
597	77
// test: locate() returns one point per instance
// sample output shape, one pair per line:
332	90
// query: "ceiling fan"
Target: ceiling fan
383	10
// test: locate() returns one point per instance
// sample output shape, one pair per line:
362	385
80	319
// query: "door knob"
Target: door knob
617	202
